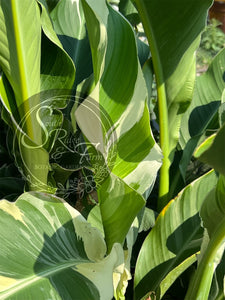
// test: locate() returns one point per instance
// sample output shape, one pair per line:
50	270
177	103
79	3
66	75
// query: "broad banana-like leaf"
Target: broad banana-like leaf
121	92
214	154
203	108
173	30
57	69
20	53
117	200
173	241
173	45
69	24
213	216
28	69
20	58
49	251
207	98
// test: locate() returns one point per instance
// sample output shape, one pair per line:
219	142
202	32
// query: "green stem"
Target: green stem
34	158
21	102
162	104
201	283
164	143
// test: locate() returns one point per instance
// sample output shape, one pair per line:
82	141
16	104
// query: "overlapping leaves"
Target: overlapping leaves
173	241
120	90
28	69
52	252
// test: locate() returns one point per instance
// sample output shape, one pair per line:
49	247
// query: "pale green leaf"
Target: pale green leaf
29	68
213	216
119	205
202	110
20	39
207	97
122	134
69	24
215	154
173	29
175	237
148	219
122	95
213	209
49	251
222	110
204	146
57	69
175	273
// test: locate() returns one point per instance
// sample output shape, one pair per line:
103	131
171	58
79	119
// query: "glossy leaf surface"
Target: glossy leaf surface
121	92
173	240
213	216
173	30
215	154
49	250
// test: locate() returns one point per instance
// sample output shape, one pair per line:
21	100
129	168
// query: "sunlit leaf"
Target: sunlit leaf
214	155
116	200
213	216
174	239
69	24
203	108
121	92
49	250
173	29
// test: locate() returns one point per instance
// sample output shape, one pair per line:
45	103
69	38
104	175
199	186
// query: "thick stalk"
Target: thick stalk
164	143
201	283
32	156
162	105
23	102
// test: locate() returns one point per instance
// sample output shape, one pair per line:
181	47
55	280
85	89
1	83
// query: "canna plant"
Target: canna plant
75	87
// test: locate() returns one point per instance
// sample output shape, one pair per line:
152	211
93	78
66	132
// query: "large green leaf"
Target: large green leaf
215	154
207	97
20	58
203	109
173	29
25	58
174	239
116	200
28	69
57	69
213	216
49	251
21	46
122	95
69	24
126	136
20	53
